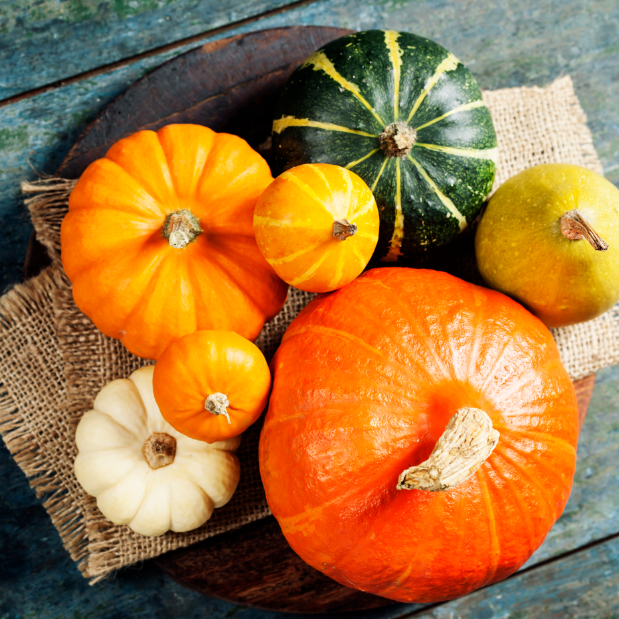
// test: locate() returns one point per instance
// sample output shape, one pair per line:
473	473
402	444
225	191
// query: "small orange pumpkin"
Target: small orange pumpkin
317	226
159	240
378	453
211	385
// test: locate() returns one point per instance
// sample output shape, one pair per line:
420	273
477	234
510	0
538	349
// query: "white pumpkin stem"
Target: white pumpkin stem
217	403
342	229
466	443
397	139
575	227
181	228
159	449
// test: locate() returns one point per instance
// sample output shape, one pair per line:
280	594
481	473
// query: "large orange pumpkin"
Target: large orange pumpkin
159	239
365	383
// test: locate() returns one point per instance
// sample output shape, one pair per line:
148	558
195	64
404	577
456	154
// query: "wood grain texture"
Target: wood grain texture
230	85
584	585
254	566
47	41
504	44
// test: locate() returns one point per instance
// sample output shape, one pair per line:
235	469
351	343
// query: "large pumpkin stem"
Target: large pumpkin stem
181	228
342	229
159	450
466	443
397	139
575	227
217	403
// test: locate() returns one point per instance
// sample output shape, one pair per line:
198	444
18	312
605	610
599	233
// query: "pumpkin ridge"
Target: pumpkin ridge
447	64
320	61
475	153
460	108
330	331
513	492
412	322
538	437
524	473
291	121
352	164
397	237
541	462
310	272
395	57
224	269
380	172
451	207
494	550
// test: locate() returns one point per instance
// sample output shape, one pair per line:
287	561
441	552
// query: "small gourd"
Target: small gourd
317	226
142	471
211	385
549	238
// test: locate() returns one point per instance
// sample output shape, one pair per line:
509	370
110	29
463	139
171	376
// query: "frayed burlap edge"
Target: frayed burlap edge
26	316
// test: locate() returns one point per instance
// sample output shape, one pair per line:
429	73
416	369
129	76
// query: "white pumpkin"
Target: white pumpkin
141	470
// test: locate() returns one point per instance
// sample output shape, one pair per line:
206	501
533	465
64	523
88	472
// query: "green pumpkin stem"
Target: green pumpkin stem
397	139
466	443
342	229
575	227
181	228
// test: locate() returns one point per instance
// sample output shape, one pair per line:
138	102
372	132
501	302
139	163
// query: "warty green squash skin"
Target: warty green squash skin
338	102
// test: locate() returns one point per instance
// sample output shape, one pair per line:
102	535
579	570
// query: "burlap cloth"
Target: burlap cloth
53	361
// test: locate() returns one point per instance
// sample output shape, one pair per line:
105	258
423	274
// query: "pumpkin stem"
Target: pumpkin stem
575	227
397	139
181	228
466	443
342	229
217	403
159	449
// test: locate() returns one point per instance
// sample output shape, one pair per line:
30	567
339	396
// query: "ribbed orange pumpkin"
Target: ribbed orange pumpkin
317	226
211	385
365	383
159	240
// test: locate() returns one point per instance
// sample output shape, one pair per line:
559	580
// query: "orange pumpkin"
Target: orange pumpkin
159	241
366	382
211	385
317	226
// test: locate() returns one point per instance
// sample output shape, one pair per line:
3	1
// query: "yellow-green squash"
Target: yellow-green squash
550	239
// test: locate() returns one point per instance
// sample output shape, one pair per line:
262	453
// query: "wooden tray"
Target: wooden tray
230	85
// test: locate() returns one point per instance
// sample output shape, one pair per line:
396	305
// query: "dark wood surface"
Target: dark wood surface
229	85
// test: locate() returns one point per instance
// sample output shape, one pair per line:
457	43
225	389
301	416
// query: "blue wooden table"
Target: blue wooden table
62	61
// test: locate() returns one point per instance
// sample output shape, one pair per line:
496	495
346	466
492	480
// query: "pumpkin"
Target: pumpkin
211	385
142	471
159	239
317	226
405	115
421	435
550	239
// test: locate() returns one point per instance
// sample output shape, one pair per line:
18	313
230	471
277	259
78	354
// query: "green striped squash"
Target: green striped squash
405	115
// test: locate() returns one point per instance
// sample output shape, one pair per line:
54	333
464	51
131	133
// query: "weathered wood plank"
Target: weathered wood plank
584	585
42	42
506	44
